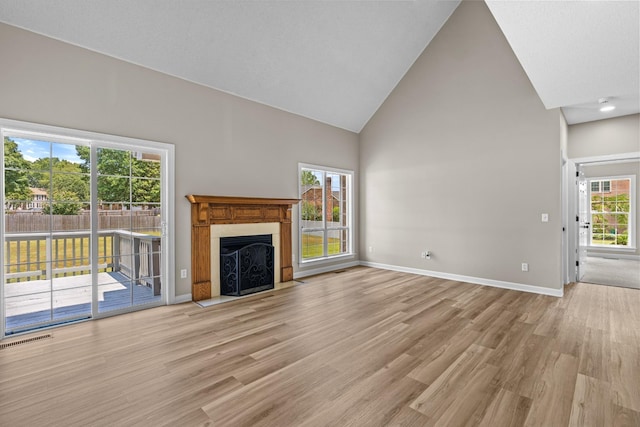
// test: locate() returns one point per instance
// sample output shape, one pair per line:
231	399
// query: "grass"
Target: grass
312	246
31	255
603	242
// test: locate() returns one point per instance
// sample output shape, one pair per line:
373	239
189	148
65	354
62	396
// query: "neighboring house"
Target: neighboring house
313	195
38	198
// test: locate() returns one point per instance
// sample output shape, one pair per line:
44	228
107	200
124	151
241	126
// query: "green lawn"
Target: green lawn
312	246
603	242
32	255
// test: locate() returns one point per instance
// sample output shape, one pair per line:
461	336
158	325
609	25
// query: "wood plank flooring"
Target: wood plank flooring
365	347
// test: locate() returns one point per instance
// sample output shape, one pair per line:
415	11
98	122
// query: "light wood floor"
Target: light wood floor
365	347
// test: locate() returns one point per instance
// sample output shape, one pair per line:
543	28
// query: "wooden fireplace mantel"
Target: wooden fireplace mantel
209	210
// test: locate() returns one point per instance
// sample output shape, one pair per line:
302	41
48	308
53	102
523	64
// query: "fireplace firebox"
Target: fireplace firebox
246	264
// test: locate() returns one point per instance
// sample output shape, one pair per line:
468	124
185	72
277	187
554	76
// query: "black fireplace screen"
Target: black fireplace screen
246	264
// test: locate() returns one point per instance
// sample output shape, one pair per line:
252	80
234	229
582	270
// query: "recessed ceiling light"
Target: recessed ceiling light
605	107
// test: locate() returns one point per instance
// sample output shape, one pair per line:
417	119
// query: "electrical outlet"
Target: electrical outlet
525	266
183	273
370	249
426	255
545	217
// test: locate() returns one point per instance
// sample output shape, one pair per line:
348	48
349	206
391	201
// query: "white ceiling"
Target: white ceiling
576	52
337	61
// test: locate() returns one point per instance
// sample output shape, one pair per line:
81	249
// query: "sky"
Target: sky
335	183
33	150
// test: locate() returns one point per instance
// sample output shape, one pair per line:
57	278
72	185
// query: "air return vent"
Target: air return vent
24	341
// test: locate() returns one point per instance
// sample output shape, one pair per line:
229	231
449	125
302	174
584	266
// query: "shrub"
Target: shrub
622	239
309	212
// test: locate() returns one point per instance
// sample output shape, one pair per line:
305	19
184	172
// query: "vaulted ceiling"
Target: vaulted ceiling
337	61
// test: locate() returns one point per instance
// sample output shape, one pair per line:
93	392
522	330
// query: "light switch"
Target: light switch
545	217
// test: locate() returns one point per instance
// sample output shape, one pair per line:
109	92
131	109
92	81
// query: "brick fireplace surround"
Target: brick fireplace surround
212	210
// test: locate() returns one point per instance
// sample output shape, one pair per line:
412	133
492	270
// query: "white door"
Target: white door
584	224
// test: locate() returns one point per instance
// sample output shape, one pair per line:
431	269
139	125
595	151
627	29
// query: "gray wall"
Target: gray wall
461	160
224	145
616	169
603	137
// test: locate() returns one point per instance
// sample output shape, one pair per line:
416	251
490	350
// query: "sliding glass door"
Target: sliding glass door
129	228
83	229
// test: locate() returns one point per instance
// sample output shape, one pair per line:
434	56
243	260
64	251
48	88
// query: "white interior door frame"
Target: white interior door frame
570	199
583	220
570	238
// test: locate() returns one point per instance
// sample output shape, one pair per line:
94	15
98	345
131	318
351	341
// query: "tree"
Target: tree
146	188
65	204
122	177
308	178
67	177
16	185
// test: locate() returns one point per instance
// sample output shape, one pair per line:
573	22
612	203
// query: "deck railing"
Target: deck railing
38	256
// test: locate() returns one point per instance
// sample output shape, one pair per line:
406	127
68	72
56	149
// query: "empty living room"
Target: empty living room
320	213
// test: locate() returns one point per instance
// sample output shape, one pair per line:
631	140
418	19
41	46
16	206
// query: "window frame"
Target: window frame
631	222
325	229
15	128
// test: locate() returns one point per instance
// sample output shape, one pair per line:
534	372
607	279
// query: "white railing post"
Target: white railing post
48	257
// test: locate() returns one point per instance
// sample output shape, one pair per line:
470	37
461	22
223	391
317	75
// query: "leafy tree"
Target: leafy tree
16	185
65	207
66	177
308	178
120	174
85	154
145	190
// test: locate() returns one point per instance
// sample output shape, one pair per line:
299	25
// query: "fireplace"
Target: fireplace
217	217
246	264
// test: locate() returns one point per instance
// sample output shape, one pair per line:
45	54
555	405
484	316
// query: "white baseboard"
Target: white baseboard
326	269
179	299
614	256
469	279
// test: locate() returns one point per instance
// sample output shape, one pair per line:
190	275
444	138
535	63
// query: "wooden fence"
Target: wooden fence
33	223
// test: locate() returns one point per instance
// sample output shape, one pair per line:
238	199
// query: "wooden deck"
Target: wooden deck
39	301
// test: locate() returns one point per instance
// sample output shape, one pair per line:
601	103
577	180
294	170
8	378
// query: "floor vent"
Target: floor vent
339	271
24	341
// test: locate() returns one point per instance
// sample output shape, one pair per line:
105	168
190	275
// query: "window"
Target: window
325	212
612	207
600	186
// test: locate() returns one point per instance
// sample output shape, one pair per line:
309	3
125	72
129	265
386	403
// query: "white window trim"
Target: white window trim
632	245
350	252
80	137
